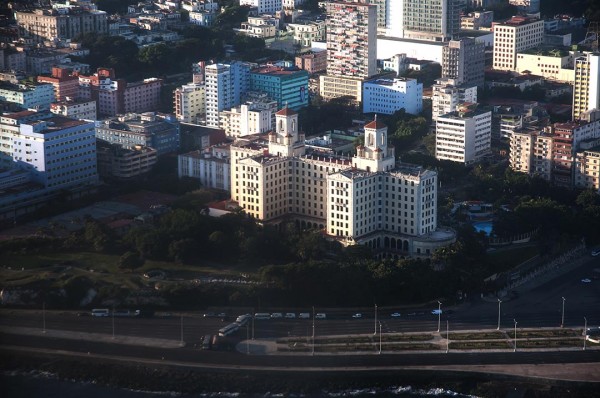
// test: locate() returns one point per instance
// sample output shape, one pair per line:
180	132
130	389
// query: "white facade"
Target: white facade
418	49
245	120
398	63
190	102
59	152
446	96
557	67
586	91
463	137
514	36
431	20
212	167
264	6
78	109
305	34
387	96
33	96
224	85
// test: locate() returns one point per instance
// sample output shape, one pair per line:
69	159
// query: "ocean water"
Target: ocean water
46	385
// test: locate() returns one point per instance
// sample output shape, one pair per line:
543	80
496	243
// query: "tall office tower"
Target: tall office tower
351	49
382	14
224	85
513	36
464	61
351	39
586	90
432	20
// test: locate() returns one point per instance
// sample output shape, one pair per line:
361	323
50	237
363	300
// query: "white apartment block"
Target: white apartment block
587	169
264	6
556	65
211	167
224	85
386	96
586	90
28	96
339	86
75	109
59	152
260	30
306	33
515	36
245	120
431	20
190	104
367	199
446	96
398	63
463	136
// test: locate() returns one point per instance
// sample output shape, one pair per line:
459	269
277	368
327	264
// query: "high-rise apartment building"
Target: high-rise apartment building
351	48
447	95
586	90
287	86
432	20
190	104
366	199
513	36
464	61
464	136
224	85
28	96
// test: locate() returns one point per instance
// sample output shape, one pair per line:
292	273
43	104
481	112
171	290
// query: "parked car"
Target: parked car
586	280
304	315
436	312
321	315
357	315
396	315
276	315
290	315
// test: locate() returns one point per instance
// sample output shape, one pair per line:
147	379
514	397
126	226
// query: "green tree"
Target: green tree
130	261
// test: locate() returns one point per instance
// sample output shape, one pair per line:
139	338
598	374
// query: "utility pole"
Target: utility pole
375	332
44	317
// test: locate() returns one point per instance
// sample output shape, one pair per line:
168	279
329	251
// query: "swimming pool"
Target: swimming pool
485	226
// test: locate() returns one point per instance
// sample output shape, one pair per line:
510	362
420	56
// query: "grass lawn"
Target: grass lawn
476	336
532	334
479	345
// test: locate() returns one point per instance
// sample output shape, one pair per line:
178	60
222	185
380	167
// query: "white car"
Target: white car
396	315
321	315
304	315
436	312
276	315
357	316
290	315
586	280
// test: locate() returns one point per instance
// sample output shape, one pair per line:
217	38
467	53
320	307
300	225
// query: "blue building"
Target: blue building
287	86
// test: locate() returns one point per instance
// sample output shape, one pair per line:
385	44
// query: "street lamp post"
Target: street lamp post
515	335
499	302
584	332
44	317
252	323
447	337
113	322
379	338
562	320
439	315
181	337
313	334
247	339
375	332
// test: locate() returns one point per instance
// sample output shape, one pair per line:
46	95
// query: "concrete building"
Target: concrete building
431	20
587	168
306	33
190	102
464	61
287	86
477	20
351	49
276	180
58	152
117	96
513	36
446	96
224	85
388	47
526	6
51	25
75	109
29	96
464	136
386	96
586	90
116	162
554	64
65	84
160	132
210	166
312	62
398	63
245	120
263	6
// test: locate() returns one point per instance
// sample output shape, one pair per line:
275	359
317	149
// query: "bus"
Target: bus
243	319
229	329
100	312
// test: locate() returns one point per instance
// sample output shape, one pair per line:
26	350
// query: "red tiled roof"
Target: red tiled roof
375	124
286	112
